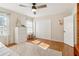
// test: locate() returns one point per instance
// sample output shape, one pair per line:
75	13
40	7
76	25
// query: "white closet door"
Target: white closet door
43	28
69	30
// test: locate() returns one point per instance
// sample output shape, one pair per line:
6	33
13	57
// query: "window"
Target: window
29	26
3	25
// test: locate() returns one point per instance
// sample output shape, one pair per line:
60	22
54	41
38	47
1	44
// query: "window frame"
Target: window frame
29	27
5	29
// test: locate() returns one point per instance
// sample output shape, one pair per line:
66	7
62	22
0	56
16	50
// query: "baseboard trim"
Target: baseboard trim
11	44
50	40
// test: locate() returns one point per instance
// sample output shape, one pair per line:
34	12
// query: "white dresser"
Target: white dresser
20	34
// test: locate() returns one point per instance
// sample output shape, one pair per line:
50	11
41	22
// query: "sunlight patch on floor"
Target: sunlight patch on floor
44	45
36	42
41	44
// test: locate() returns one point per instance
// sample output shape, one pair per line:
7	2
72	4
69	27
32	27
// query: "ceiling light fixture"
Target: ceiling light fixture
34	8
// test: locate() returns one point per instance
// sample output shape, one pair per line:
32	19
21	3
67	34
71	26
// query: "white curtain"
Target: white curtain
4	28
29	26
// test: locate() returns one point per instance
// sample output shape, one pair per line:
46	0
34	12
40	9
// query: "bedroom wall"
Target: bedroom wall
48	27
13	16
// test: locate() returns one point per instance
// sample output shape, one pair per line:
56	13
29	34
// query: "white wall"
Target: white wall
57	29
12	21
13	16
48	27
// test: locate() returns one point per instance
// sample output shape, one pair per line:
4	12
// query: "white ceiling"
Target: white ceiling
52	8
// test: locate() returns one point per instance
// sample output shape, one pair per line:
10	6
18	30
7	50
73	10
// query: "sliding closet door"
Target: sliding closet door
43	28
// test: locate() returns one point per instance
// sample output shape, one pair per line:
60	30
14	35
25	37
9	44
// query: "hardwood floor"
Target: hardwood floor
28	49
52	44
58	46
68	50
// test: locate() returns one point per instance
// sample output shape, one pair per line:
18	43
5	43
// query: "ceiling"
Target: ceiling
52	8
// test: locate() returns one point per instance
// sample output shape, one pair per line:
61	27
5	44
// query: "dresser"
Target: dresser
20	34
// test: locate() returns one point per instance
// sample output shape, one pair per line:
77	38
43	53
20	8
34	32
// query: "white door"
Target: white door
43	28
69	30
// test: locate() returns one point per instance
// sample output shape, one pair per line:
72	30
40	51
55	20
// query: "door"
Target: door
69	30
43	28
